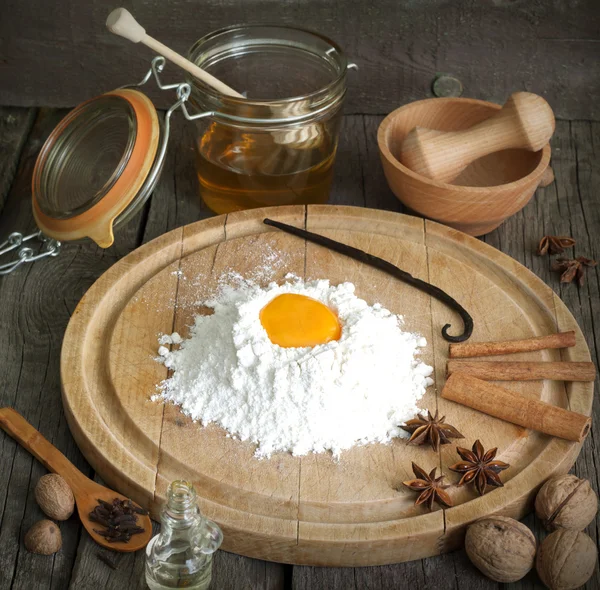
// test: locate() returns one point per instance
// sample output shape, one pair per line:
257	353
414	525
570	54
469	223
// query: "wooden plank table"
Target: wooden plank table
37	301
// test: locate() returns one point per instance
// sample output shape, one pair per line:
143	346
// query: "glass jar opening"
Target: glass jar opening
284	73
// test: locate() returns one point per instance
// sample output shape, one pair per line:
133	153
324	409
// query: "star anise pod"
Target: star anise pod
430	430
429	487
480	467
554	244
572	269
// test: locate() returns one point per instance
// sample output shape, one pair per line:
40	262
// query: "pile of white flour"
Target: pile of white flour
330	397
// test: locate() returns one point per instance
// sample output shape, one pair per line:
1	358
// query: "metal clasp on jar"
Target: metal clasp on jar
14	243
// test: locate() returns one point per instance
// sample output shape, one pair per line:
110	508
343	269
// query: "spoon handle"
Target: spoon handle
46	453
121	22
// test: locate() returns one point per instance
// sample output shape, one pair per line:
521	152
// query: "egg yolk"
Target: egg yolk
294	321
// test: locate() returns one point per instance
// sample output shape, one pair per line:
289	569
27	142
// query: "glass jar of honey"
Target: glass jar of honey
277	144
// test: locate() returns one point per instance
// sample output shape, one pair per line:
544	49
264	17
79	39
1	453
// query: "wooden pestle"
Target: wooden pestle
526	121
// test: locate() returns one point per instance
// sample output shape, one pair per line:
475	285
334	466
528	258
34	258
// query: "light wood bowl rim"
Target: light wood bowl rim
382	141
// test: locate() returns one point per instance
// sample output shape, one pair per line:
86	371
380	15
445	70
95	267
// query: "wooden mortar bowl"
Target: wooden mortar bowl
487	192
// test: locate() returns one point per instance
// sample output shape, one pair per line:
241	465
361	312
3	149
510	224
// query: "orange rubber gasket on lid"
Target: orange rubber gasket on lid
97	222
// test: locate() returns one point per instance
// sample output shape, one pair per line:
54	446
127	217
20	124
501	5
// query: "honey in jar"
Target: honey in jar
278	145
242	170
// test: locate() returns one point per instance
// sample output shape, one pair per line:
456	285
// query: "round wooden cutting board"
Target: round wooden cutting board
310	509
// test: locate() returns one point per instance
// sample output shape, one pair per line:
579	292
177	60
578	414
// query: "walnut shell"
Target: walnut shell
44	538
54	496
566	559
566	502
501	548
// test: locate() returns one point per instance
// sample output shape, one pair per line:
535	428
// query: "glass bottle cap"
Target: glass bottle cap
92	170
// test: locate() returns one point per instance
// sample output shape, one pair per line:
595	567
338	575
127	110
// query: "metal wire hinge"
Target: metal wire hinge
27	253
182	90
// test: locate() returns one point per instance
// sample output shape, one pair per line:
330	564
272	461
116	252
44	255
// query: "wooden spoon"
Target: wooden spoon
526	121
121	22
86	491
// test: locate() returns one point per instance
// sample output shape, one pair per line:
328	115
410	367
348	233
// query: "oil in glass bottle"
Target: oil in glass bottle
180	556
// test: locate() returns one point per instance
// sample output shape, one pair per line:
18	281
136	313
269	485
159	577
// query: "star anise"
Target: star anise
572	269
430	430
480	467
554	244
429	487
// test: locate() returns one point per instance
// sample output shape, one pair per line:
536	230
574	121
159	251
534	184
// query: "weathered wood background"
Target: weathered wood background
58	53
37	301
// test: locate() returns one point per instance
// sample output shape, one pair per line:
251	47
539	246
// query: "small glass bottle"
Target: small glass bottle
180	556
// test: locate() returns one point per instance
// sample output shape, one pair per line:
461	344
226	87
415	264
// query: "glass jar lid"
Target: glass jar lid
96	169
93	171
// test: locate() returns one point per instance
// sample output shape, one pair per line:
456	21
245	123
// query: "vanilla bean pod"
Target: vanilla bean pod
390	269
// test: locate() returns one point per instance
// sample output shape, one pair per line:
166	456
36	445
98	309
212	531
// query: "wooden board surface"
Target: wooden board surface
63	56
310	510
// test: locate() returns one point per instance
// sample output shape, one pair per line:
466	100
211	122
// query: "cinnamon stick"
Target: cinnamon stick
504	404
470	349
524	371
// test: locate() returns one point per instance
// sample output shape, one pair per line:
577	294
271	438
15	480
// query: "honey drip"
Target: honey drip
241	170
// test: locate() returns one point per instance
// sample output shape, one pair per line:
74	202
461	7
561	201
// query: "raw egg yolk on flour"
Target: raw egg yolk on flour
295	321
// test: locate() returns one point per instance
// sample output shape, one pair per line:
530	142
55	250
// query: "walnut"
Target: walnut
566	559
44	538
54	496
566	502
501	548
